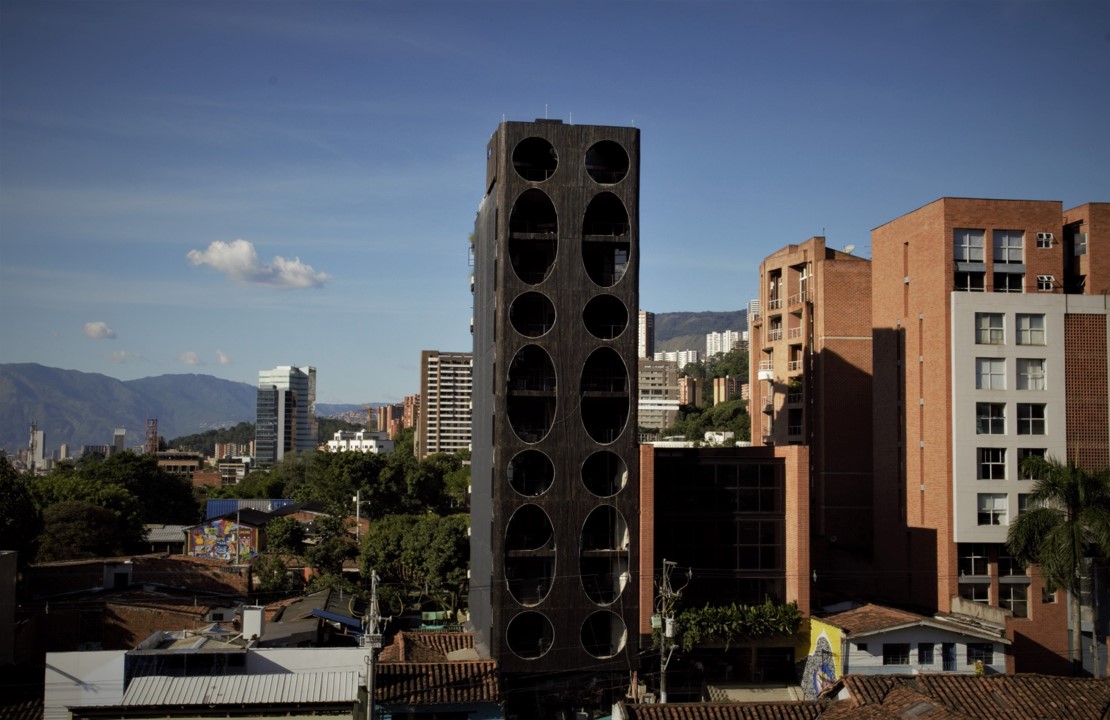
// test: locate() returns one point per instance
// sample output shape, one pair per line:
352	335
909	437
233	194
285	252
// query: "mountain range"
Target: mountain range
79	408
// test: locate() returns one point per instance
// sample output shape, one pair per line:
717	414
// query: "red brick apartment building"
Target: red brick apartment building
810	384
990	343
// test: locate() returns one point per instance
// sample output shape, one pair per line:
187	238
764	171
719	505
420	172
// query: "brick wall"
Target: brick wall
1085	378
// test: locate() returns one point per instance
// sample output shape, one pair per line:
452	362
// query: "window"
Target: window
896	653
1025	503
1009	246
992	464
990	418
990	374
1044	240
1045	283
992	508
980	652
1080	244
1025	453
1009	566
1048	598
970	282
1030	329
1009	282
967	245
925	654
972	558
862	647
979	592
990	328
1030	419
1030	373
1014	596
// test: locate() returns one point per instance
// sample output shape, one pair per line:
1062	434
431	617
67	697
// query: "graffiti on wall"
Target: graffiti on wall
820	671
223	539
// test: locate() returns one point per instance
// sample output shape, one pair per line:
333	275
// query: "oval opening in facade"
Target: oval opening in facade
604	555
529	555
607	162
530	635
530	396
532	314
533	236
604	390
604	473
605	239
531	473
535	159
604	634
605	317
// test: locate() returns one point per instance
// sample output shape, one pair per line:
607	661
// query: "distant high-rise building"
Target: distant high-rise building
658	394
682	357
388	419
445	384
411	413
722	342
119	440
646	335
690	390
724	388
286	413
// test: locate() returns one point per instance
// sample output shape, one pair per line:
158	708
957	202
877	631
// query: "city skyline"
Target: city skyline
222	187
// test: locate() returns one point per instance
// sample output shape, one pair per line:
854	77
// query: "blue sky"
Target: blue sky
220	187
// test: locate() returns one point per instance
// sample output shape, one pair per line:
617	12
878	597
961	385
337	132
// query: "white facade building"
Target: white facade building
682	357
360	441
722	342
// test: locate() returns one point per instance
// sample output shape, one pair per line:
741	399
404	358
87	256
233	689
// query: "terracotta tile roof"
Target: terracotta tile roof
870	618
425	646
437	683
1014	697
725	711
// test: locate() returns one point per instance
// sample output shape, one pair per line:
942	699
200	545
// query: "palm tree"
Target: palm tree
1069	522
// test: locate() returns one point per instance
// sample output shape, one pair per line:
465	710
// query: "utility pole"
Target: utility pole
373	641
665	603
358	516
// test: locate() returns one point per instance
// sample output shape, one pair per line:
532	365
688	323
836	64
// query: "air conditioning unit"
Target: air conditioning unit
1045	237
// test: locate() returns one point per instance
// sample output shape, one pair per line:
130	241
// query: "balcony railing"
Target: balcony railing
774	334
798	298
793	398
794	332
766	365
774	304
794	366
794	430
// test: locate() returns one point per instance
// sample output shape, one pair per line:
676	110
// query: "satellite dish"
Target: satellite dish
849	248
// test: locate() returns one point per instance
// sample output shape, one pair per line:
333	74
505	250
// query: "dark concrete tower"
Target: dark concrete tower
555	470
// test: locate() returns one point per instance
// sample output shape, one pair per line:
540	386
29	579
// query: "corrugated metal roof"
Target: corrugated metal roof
275	689
223	506
165	533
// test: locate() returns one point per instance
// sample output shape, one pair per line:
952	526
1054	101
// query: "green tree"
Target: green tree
76	529
425	557
1069	523
20	522
271	576
285	535
74	487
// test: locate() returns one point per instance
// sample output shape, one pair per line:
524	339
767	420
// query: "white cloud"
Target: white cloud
239	260
223	358
99	330
120	357
190	358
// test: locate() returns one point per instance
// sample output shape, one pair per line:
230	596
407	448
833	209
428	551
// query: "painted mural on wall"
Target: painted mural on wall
223	539
820	670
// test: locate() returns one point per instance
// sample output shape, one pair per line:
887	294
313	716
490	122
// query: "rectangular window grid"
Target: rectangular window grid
1030	373
967	245
1030	329
980	652
1009	282
1045	283
990	418
1009	246
992	508
1030	419
990	374
990	328
970	282
992	463
925	654
972	558
896	653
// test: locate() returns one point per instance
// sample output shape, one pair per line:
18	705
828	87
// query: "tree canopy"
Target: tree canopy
1069	522
20	521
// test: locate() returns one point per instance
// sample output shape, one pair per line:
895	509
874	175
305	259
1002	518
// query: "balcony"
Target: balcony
774	333
768	408
794	430
794	333
798	298
793	366
774	304
794	398
766	370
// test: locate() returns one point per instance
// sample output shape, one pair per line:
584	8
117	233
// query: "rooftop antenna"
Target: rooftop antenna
571	118
545	111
